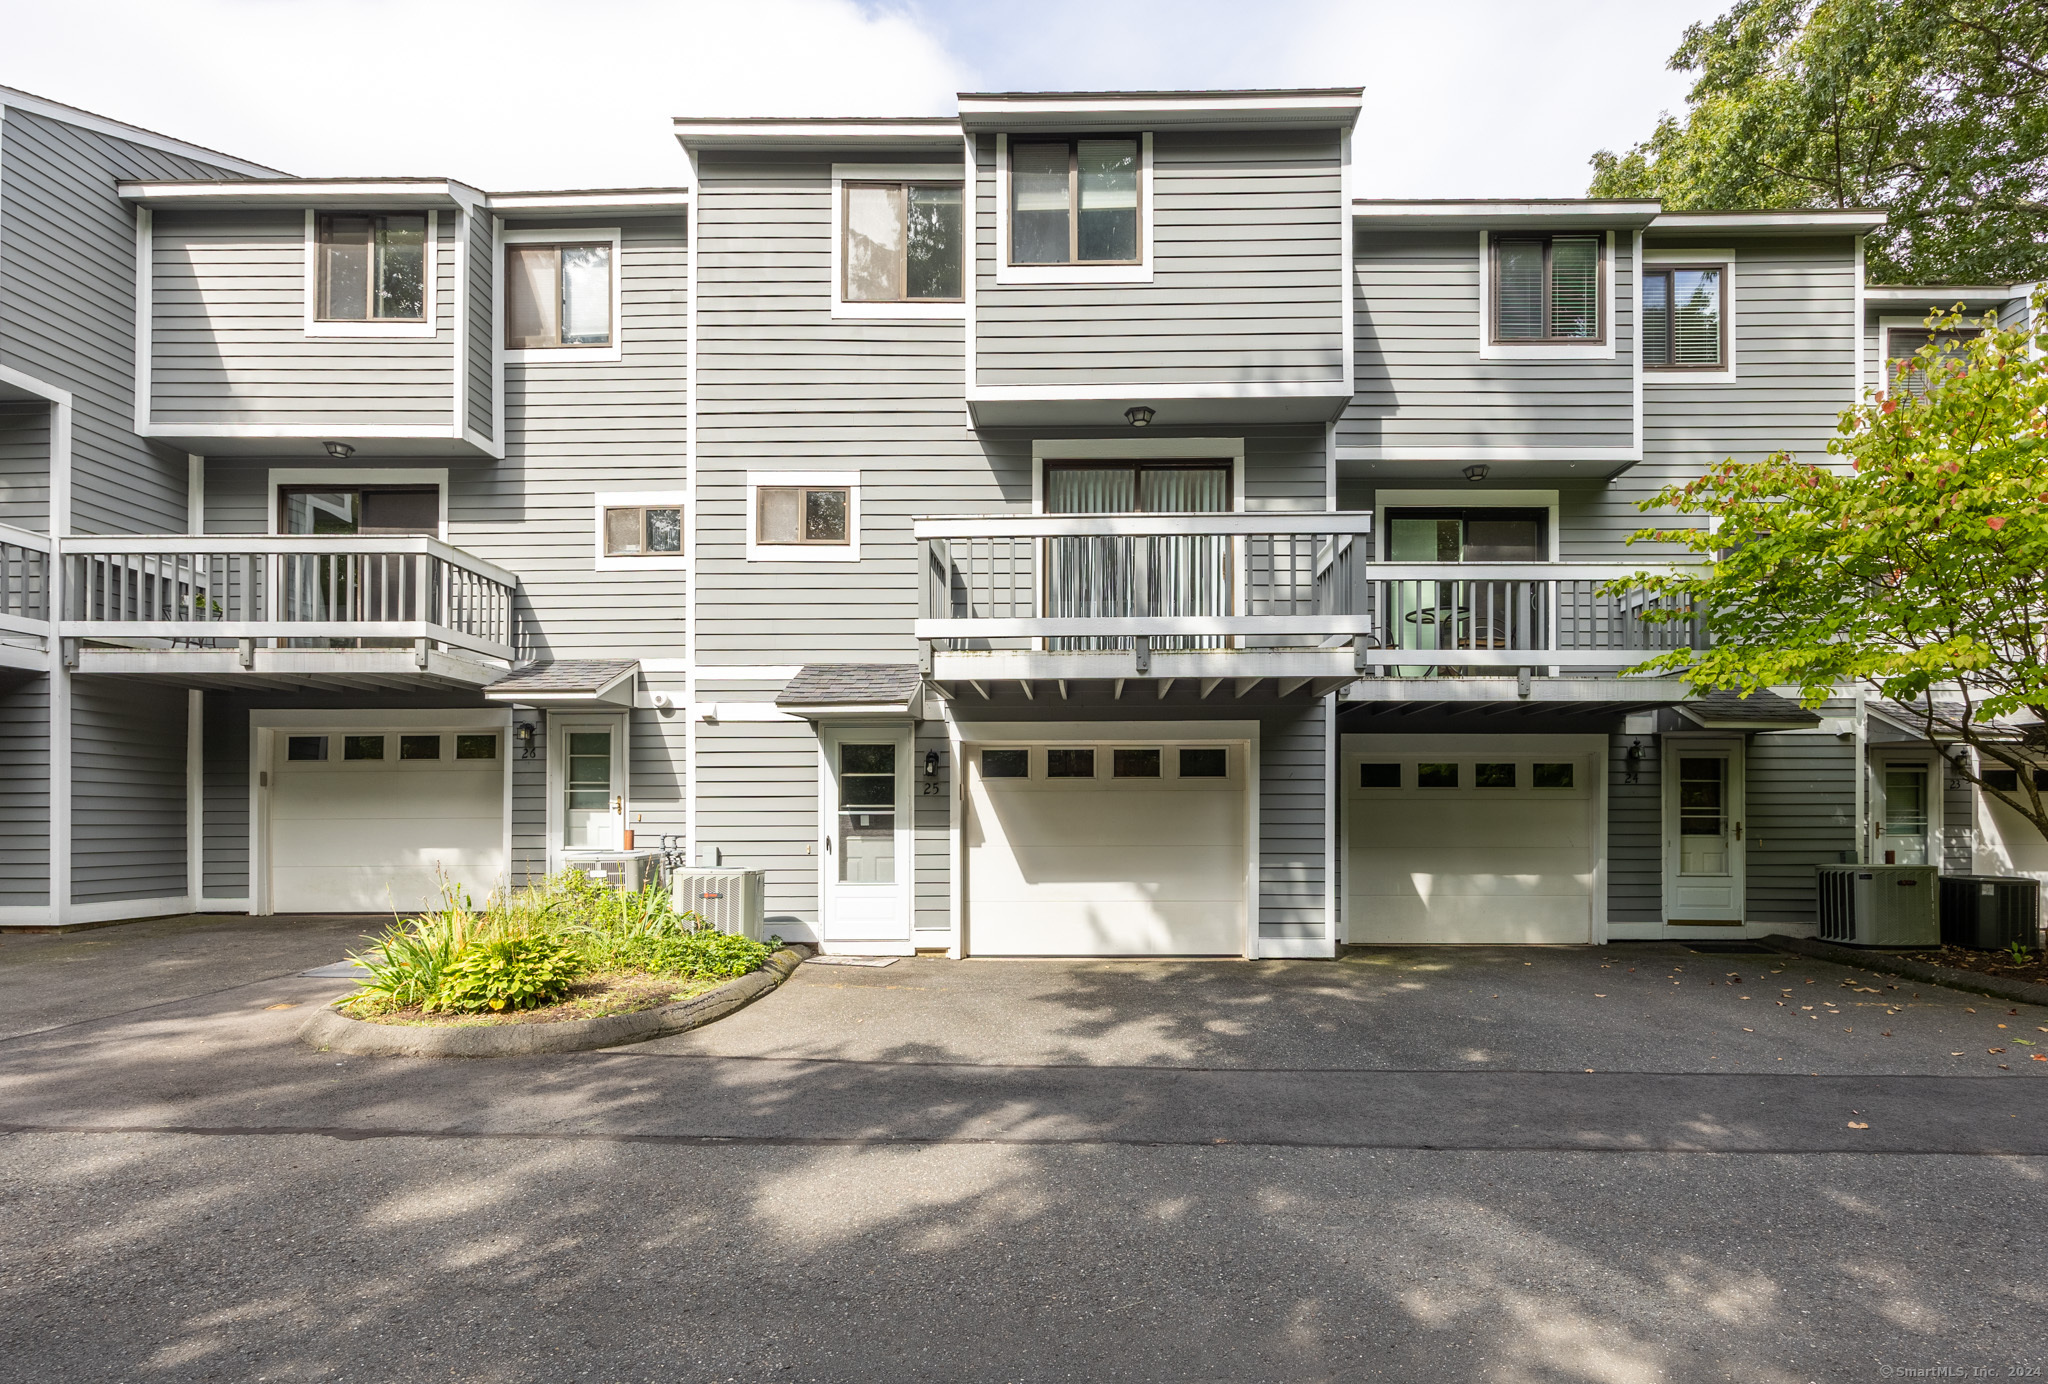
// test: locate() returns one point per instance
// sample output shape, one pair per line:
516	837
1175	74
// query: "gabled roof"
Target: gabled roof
120	129
1763	709
568	683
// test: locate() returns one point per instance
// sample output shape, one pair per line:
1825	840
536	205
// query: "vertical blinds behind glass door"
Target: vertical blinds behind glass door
1110	577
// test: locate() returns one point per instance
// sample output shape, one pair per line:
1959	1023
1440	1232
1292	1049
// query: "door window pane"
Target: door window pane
320	512
1070	764
401	511
867	814
1107	180
1501	540
874	243
362	747
1703	816
1039	203
1134	764
1905	814
1379	775
305	747
590	770
937	241
476	747
586	295
1006	764
419	747
1208	761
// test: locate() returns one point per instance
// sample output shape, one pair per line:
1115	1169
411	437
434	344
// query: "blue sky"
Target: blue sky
1463	97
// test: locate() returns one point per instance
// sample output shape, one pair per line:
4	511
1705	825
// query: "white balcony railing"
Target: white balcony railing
24	583
286	592
1266	582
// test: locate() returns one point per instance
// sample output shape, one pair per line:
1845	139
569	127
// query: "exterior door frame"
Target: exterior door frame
559	724
1736	747
264	726
1919	757
830	737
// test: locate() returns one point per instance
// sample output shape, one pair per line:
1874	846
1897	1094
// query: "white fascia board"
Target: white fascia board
1523	213
1461	454
714	134
134	134
551	203
1840	222
1334	108
200	432
1921	296
304	192
1216	389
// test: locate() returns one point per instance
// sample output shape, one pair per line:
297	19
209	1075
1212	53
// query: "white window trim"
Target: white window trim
424	330
1725	258
1383	500
436	476
568	355
1489	349
1139	273
844	173
664	562
804	552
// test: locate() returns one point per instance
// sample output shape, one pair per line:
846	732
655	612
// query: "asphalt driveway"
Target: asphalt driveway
1396	1163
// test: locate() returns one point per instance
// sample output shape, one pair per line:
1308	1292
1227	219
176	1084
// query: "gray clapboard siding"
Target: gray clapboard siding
483	323
25	794
1635	833
224	810
1421	381
1800	810
228	341
1247	279
1292	805
1958	821
67	308
529	863
25	467
127	790
659	774
931	816
757	807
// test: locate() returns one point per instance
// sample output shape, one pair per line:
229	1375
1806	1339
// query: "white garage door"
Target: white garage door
361	821
1106	850
1448	843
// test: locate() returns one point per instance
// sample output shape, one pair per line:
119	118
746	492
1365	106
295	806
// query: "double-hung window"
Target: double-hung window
558	297
1075	201
903	242
1685	318
371	268
1548	288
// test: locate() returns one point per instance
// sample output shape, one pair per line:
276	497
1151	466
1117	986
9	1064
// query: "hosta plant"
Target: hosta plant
506	973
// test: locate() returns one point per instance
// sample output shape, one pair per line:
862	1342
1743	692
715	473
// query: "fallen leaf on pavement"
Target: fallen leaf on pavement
2039	1056
1858	1124
1994	1051
1749	1030
1598	996
1955	1054
1886	1034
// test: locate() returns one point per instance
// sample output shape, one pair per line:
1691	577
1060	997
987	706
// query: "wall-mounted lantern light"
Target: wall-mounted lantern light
931	763
1634	761
525	733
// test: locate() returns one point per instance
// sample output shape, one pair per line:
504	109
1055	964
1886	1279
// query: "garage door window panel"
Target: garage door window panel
1493	774
1134	763
1436	774
1204	762
306	747
1070	764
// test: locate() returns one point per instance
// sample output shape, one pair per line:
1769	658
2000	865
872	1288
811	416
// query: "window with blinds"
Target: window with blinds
1548	288
1685	317
1906	370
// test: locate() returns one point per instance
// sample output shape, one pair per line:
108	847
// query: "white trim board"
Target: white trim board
568	355
1725	257
426	330
278	476
843	173
848	551
665	499
1139	273
1474	498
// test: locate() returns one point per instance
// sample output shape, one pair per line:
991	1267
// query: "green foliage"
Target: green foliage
2017	951
700	953
1921	570
1935	111
506	973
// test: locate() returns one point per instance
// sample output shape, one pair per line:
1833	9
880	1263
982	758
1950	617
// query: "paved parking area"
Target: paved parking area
1015	1170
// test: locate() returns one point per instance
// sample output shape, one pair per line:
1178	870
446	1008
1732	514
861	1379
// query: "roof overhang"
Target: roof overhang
1334	107
1492	695
854	691
606	201
1921	299
1522	213
1856	222
200	194
569	685
1174	406
834	132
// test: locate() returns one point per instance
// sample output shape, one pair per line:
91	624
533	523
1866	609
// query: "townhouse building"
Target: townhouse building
1079	525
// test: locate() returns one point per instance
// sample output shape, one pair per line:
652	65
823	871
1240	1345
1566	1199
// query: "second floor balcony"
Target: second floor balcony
1243	597
359	612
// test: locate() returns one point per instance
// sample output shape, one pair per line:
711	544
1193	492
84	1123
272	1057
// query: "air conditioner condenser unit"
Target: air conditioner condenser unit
1880	905
729	900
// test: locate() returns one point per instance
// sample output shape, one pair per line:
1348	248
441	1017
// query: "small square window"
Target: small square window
1207	761
362	747
643	530
311	747
904	242
1133	763
1076	201
372	268
1548	288
802	515
558	296
1436	776
1070	764
2003	780
1551	775
1379	776
476	747
1501	775
1005	764
419	747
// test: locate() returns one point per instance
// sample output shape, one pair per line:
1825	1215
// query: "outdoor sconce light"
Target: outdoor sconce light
1477	471
1634	760
525	739
340	451
931	763
1139	416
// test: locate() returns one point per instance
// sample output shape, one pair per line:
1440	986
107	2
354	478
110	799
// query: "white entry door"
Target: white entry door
865	839
587	782
1906	829
1703	852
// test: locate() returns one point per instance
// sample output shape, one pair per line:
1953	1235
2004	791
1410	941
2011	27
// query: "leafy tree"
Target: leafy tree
1920	569
1935	111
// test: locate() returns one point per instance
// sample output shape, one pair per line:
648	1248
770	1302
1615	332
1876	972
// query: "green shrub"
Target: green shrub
701	952
506	973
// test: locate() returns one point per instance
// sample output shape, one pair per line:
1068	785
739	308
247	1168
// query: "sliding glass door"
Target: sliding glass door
1125	577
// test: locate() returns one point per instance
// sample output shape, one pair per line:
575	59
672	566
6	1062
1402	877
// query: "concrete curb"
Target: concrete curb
331	1031
2020	991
